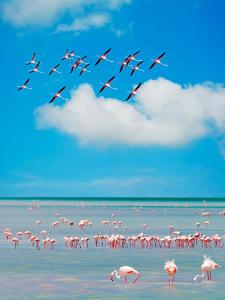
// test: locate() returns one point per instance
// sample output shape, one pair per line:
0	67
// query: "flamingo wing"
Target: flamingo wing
129	96
152	65
38	64
106	52
111	79
62	89
141	62
136	53
26	82
84	57
132	72
122	66
33	57
137	87
160	56
102	89
98	61
53	98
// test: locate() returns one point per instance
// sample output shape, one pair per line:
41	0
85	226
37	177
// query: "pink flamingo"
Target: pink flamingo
125	271
24	86
66	56
125	62
158	61
77	63
207	267
54	70
103	57
58	95
134	92
136	68
171	270
32	61
35	69
107	84
16	242
84	69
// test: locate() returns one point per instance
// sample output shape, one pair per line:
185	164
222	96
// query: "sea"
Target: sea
83	273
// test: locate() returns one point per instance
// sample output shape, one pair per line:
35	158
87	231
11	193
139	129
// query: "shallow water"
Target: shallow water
64	273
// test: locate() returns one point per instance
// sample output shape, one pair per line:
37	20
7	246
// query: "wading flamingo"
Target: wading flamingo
207	267
125	271
171	270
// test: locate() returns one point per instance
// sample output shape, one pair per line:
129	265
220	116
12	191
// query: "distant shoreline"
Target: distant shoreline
167	199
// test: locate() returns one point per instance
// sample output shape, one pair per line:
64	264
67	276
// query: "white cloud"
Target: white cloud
95	20
22	13
164	113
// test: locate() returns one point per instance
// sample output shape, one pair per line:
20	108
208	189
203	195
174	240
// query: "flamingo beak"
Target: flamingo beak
111	277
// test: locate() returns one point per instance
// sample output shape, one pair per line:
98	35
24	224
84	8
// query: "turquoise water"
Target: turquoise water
64	273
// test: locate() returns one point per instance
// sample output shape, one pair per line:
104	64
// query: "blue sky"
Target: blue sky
147	147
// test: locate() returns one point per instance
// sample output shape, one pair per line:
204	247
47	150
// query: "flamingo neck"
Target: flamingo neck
116	273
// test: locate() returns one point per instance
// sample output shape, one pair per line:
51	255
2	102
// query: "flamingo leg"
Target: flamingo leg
169	280
125	279
172	279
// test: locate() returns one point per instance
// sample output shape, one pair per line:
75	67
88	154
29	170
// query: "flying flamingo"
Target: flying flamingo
84	69
133	57
134	92
32	61
136	68
103	57
171	270
58	95
66	56
125	271
77	62
107	84
206	268
35	69
125	62
158	61
24	86
54	70
71	54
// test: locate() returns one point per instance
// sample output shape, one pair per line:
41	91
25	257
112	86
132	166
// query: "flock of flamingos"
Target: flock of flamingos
116	241
69	55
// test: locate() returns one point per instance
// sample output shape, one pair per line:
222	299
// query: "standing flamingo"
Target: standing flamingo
158	61
24	86
84	69
206	268
171	270
136	68
35	69
134	92
107	84
54	69
125	271
58	95
32	61
103	57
